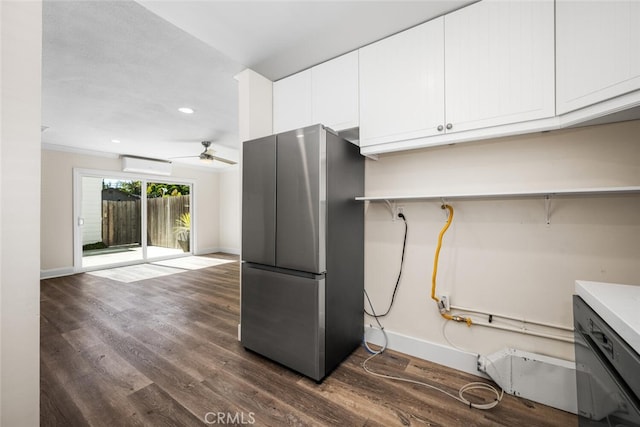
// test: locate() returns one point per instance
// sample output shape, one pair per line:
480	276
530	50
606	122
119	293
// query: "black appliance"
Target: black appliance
607	372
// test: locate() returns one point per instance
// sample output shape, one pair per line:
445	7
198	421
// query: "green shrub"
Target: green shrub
92	246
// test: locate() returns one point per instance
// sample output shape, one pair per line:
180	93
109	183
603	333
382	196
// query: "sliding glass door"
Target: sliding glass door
123	220
168	219
110	221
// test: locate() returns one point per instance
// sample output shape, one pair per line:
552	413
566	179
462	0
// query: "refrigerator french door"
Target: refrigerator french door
302	249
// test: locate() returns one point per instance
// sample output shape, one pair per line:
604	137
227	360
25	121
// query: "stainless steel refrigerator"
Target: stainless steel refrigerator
302	249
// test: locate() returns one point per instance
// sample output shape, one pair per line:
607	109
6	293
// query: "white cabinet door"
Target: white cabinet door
598	51
402	85
499	59
292	102
334	92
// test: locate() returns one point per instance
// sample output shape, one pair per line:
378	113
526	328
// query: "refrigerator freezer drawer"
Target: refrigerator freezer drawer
282	318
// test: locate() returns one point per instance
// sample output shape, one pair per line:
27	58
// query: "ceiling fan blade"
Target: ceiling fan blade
207	155
227	161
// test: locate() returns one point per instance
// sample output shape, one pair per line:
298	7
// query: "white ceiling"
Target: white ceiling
121	69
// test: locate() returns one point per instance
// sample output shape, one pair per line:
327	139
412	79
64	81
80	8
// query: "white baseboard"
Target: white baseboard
56	272
426	350
232	251
205	251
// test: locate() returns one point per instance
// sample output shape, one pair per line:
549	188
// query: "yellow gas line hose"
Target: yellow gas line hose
443	311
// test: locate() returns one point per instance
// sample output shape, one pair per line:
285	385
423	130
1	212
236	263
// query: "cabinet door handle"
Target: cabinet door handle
440	128
449	125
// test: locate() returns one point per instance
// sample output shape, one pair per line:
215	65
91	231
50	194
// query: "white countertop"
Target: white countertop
618	305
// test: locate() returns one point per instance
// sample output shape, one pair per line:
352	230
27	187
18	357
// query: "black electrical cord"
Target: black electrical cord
395	289
374	315
384	334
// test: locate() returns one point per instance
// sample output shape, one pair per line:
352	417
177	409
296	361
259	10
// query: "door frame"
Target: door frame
79	173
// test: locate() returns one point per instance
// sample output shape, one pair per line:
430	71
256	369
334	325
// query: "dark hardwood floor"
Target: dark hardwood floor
164	352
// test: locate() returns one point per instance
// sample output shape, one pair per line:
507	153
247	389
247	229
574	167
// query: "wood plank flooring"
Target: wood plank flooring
164	352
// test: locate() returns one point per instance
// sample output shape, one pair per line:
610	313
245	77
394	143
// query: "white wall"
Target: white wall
499	255
57	205
20	101
230	210
255	105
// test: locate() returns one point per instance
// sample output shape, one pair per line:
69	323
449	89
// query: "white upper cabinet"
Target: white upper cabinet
334	92
598	51
486	65
491	69
402	85
326	94
292	102
499	59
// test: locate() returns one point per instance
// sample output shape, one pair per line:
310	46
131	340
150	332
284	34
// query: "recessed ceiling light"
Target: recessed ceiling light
186	110
115	141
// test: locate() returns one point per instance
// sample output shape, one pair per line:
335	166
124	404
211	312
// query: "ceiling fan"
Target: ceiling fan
208	155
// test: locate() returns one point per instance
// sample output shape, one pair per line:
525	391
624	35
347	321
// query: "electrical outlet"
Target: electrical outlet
446	302
399	210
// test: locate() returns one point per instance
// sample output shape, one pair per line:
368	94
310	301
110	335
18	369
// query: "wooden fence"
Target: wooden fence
121	221
162	213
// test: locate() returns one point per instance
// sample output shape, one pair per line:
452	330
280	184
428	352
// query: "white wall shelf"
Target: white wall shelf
392	201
